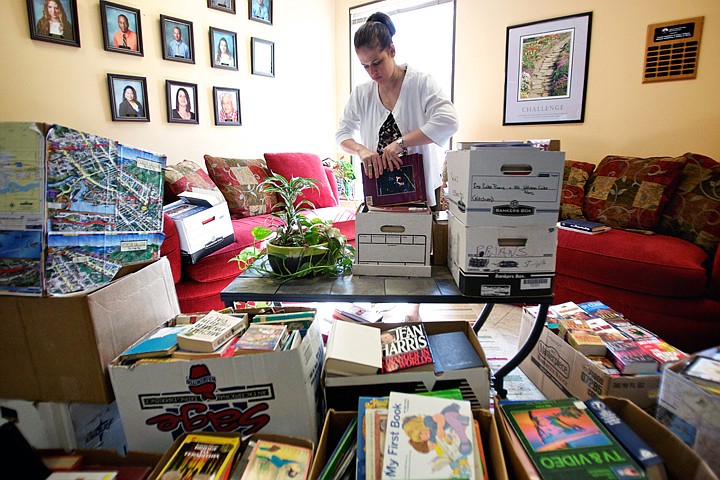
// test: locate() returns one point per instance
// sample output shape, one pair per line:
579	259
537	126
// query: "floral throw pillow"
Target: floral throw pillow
239	181
185	176
575	177
693	212
631	192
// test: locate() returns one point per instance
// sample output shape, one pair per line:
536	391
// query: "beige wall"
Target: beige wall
622	115
298	110
295	111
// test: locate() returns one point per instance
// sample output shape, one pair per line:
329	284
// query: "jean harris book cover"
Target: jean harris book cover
405	347
428	437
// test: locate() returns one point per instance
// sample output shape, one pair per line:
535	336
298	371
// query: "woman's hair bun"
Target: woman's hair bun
384	19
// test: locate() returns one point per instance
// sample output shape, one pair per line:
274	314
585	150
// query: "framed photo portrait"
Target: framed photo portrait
262	57
121	28
227	106
223	49
260	11
403	185
177	39
128	98
222	5
182	102
54	21
546	70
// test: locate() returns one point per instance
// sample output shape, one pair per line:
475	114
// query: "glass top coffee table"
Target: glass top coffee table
439	288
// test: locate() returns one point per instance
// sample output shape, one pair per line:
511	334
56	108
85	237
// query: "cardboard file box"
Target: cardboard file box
393	243
341	393
560	371
498	186
690	412
337	421
56	349
203	224
275	392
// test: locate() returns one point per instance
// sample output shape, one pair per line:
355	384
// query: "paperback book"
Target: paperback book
429	438
640	451
261	336
227	349
586	342
569	310
405	347
630	359
565	441
206	454
365	437
598	309
635	332
270	459
662	351
161	342
211	331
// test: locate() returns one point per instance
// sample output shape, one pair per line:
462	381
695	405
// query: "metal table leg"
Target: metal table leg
482	318
522	353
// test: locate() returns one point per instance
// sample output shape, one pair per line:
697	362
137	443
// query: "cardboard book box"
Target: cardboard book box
274	392
690	412
681	463
560	371
337	421
393	243
500	186
502	261
342	392
56	349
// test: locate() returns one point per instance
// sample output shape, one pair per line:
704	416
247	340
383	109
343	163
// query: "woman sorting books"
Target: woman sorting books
401	110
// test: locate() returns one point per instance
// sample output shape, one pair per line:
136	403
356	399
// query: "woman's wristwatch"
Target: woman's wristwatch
400	142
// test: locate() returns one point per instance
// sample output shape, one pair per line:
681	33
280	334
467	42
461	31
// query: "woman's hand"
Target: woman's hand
391	156
373	164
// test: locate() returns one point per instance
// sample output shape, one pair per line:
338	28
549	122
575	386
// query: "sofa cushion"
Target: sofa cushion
304	165
575	176
186	176
239	180
654	264
693	212
631	192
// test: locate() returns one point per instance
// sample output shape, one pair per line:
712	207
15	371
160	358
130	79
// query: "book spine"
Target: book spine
631	441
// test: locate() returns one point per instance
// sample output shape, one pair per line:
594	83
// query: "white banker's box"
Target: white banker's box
393	243
276	392
203	224
500	261
495	186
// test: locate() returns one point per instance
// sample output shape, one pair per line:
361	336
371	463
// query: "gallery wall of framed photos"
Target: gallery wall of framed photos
176	78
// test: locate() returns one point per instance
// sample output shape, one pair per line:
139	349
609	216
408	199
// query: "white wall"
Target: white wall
295	111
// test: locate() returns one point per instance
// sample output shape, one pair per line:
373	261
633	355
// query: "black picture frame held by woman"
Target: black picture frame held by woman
54	21
122	28
179	110
128	98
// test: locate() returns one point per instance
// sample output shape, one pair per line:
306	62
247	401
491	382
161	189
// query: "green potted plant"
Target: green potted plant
295	245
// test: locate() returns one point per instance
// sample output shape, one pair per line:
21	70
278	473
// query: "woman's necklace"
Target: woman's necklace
389	97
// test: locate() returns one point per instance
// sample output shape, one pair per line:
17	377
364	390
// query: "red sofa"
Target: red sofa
667	280
198	286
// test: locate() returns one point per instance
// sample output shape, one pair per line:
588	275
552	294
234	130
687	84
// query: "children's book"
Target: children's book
405	347
260	336
640	451
481	471
565	441
202	453
428	437
161	342
365	404
376	428
345	449
269	459
211	331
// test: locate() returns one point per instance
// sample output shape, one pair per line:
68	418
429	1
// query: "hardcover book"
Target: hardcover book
207	454
270	459
584	225
211	331
161	342
428	438
453	351
403	185
565	441
261	336
640	451
405	347
353	349
630	359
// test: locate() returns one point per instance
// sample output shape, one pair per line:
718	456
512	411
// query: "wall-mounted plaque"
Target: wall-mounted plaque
672	50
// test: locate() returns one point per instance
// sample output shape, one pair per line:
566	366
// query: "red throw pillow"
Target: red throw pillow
185	176
575	176
239	180
631	192
304	165
693	212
